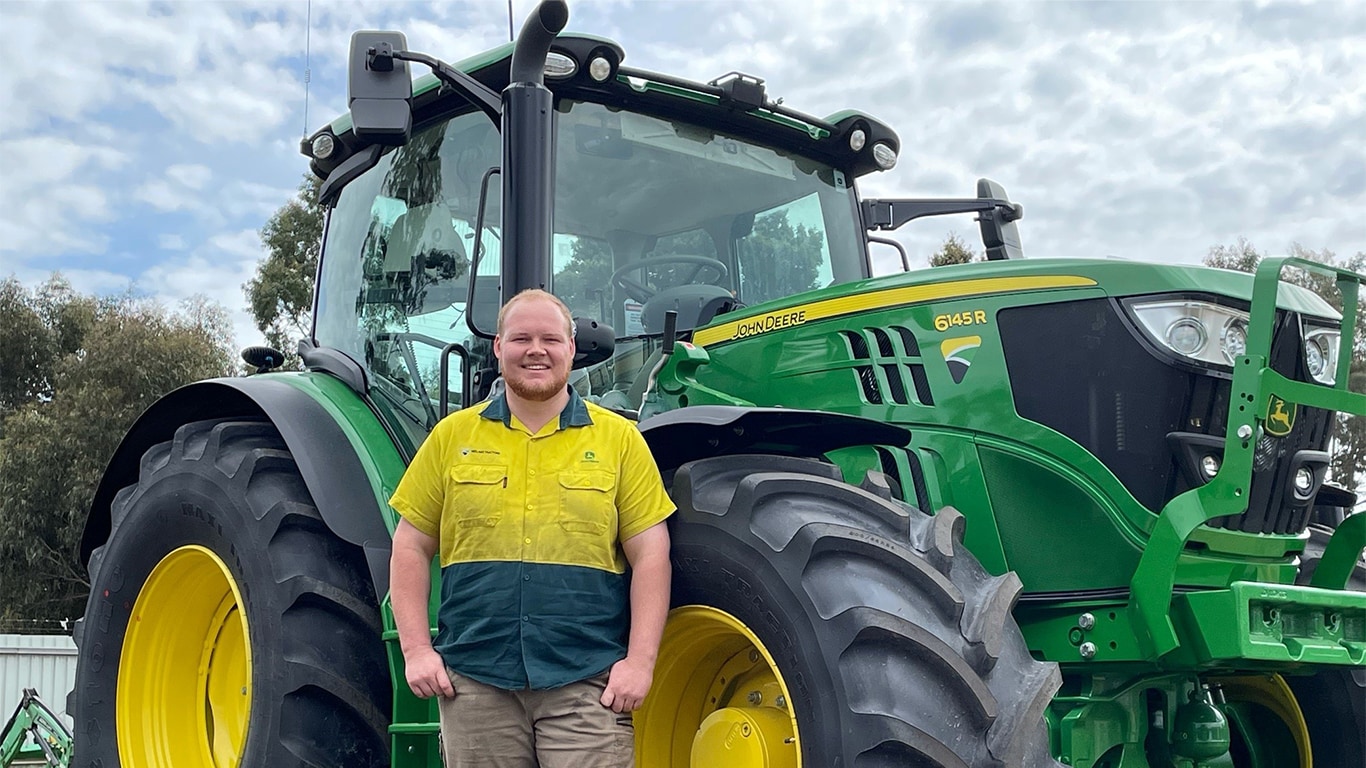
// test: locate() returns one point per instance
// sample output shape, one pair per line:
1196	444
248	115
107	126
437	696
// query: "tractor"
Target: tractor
1021	512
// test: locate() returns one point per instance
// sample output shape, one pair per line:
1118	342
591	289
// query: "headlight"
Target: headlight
1321	353
1199	330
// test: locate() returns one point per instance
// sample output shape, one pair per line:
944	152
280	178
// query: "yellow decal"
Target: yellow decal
958	354
889	297
953	319
1280	417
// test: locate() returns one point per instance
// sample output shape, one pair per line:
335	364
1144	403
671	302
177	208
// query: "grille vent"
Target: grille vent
896	374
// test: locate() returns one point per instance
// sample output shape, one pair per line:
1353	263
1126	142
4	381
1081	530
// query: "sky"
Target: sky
144	144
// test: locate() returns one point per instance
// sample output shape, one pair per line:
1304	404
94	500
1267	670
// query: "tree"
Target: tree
585	278
281	293
93	366
778	259
1347	462
953	251
1241	256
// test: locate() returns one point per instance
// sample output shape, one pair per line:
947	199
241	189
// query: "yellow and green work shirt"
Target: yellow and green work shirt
533	577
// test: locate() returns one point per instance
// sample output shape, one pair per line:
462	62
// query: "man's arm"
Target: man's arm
651	572
409	592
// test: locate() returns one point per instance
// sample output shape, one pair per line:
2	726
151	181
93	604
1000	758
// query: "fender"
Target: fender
340	465
679	436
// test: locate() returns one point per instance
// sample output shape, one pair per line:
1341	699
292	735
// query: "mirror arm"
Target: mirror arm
892	214
479	94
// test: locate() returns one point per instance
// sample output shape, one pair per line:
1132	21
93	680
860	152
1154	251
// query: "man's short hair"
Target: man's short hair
536	293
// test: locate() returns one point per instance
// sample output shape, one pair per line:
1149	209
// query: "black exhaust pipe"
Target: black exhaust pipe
529	155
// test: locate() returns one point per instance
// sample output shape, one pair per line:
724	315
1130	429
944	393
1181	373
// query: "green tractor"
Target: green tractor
1023	512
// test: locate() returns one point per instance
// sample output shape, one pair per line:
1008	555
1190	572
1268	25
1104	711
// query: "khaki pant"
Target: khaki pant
488	727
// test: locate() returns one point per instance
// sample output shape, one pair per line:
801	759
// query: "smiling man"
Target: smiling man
537	502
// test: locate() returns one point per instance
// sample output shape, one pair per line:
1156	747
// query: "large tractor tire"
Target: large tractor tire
226	624
818	624
1333	700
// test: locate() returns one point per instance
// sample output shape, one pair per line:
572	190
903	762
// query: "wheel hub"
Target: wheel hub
184	688
718	698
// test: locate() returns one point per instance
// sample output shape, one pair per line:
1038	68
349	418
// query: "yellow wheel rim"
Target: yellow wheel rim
184	689
1273	693
718	698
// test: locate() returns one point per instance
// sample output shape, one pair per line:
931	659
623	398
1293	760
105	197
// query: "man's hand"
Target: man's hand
426	674
627	683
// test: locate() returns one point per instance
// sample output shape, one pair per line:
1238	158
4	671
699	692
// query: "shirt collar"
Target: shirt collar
575	413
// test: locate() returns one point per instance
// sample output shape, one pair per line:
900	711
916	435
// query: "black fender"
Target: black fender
702	431
326	459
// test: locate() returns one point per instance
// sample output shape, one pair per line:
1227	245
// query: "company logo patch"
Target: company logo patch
1280	416
958	353
590	456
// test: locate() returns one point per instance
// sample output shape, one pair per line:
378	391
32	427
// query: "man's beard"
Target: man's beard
537	392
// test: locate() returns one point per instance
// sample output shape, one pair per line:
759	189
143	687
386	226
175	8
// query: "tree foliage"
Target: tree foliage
953	251
90	366
280	294
776	259
1347	462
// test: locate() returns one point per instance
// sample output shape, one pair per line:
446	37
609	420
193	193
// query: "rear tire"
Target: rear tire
895	647
229	492
1333	700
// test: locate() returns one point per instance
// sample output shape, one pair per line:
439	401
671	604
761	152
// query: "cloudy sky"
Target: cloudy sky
146	143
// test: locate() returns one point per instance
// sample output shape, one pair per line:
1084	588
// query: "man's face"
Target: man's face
535	350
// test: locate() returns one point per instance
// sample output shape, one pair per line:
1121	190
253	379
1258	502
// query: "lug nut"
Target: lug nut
756	698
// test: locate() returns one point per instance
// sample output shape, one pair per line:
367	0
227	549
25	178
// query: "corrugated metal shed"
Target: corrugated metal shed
46	663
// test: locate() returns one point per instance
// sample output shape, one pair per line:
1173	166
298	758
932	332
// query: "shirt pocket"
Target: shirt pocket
588	502
474	495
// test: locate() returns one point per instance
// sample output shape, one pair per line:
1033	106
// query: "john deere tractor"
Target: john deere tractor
1022	512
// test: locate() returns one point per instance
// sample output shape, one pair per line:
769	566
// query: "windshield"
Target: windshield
650	215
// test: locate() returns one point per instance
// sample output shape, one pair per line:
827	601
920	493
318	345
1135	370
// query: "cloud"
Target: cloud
215	269
157	138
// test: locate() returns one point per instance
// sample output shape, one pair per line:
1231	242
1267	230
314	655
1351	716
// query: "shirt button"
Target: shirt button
526	578
528	506
532	472
526	618
528	541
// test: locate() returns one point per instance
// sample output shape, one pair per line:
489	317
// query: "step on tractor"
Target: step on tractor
1020	512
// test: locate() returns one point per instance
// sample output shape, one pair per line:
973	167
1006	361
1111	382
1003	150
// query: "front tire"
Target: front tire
1334	699
226	624
826	625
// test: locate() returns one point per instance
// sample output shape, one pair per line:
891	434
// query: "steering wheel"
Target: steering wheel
642	293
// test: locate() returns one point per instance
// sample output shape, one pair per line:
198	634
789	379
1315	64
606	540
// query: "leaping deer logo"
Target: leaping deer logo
1278	419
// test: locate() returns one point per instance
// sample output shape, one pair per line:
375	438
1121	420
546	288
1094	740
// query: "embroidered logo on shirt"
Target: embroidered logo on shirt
468	451
590	456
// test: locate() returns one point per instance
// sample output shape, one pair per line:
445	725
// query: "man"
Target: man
536	502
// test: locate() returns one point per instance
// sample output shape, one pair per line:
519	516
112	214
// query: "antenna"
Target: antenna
308	72
510	39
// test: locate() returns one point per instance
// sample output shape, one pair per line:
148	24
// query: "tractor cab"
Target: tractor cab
654	210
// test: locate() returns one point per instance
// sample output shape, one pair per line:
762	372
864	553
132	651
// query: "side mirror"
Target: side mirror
379	89
1000	235
593	342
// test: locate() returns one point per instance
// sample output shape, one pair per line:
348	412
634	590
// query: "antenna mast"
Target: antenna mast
308	72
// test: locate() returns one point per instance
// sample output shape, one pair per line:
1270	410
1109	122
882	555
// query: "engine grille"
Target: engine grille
1082	369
